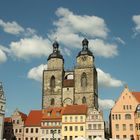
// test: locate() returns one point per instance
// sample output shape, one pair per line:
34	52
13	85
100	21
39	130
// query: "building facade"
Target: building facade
95	124
61	87
2	110
74	122
123	116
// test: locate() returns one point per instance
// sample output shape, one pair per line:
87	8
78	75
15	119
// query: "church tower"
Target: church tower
86	86
53	79
2	110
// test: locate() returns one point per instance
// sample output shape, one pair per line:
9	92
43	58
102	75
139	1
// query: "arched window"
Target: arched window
84	100
52	101
127	116
84	80
52	82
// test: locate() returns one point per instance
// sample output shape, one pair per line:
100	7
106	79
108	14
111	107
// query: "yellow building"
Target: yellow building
122	116
74	122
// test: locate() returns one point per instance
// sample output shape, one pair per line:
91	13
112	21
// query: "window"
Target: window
84	100
19	138
124	107
26	130
113	116
52	101
31	138
119	116
81	128
17	121
36	130
59	131
81	118
70	119
36	138
32	130
70	137
65	119
16	130
20	130
127	116
94	126
65	128
26	138
58	113
130	107
124	127
70	128
43	131
76	119
52	82
116	116
117	136
76	128
89	126
99	126
124	136
83	80
65	137
117	127
90	137
131	127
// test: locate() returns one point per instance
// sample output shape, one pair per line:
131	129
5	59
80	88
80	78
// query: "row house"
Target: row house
59	123
125	116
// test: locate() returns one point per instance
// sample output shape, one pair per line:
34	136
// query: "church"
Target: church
61	87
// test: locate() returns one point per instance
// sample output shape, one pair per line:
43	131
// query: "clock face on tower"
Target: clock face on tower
83	58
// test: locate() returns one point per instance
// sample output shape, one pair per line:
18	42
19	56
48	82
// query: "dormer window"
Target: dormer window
58	113
49	113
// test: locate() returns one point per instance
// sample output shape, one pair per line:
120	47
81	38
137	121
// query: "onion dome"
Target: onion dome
85	50
56	52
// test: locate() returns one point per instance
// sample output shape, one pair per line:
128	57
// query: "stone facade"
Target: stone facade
61	87
2	110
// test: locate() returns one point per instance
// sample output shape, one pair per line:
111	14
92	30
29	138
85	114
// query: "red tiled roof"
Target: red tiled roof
75	110
23	116
34	118
68	83
7	119
54	113
136	95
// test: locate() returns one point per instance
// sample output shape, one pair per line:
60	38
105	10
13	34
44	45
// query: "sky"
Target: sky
28	29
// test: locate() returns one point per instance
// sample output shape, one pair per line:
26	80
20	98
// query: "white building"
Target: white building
2	110
94	124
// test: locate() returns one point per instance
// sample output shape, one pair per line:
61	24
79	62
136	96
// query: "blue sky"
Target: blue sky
28	28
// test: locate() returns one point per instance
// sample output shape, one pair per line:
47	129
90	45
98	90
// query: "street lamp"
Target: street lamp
53	132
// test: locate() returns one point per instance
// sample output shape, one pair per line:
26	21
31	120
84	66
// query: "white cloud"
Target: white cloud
71	29
101	48
30	47
16	29
3	56
106	80
11	27
106	103
36	72
88	25
136	20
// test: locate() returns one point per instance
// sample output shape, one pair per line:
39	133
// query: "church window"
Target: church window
52	82
84	100
84	80
52	101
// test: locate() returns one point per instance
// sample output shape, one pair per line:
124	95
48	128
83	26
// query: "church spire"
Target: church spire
56	52
85	50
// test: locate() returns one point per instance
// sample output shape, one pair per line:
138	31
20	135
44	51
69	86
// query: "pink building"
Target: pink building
122	116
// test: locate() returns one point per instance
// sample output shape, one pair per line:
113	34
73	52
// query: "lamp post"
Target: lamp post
53	132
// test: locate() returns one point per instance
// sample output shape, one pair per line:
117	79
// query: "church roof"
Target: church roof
68	83
34	118
75	110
